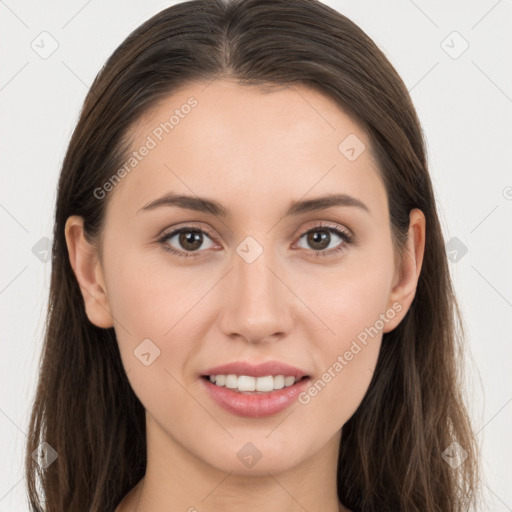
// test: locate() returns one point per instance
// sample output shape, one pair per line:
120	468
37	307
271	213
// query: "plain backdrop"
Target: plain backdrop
454	57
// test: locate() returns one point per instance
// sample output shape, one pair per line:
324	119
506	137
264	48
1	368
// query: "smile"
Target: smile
247	383
255	403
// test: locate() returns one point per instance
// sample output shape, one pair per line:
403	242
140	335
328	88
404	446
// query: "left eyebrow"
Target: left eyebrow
324	202
205	205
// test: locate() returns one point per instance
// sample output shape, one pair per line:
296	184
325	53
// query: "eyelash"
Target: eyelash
344	235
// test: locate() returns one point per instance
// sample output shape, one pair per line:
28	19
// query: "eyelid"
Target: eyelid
167	232
327	225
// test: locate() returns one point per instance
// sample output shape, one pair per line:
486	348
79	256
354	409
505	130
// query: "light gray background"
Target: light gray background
464	103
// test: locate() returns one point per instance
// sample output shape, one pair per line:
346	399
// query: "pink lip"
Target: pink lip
255	405
256	370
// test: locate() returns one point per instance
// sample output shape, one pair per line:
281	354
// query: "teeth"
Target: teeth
289	381
279	381
247	384
231	381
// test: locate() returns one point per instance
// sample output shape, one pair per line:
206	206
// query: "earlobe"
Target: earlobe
406	277
84	260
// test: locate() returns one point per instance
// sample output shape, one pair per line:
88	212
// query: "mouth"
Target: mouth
268	395
247	384
254	389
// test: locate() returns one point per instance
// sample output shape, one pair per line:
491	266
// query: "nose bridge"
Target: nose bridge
254	279
257	306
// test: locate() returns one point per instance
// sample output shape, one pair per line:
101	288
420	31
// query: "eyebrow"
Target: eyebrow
202	204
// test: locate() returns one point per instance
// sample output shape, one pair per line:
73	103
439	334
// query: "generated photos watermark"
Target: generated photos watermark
355	348
152	140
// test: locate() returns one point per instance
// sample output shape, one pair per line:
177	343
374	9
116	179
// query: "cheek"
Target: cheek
151	303
348	354
353	304
350	297
149	297
336	394
151	300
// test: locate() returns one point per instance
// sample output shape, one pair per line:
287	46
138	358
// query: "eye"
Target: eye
189	239
319	238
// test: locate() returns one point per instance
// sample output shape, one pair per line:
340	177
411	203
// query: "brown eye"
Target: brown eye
188	240
320	238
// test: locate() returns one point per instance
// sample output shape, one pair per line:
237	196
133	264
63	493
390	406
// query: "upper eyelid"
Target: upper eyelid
328	225
174	231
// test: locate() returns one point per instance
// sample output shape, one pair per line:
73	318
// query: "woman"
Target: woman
250	298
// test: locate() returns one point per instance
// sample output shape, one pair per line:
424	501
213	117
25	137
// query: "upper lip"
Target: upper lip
257	370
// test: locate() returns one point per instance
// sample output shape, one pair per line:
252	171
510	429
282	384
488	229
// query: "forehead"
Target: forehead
255	145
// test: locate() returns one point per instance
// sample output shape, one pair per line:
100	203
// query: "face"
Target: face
256	280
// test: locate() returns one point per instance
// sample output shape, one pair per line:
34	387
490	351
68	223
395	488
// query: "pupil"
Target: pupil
194	238
317	240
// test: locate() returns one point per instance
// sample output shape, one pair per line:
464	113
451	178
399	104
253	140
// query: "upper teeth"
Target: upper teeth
248	383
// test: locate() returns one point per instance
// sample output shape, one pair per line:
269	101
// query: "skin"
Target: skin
255	152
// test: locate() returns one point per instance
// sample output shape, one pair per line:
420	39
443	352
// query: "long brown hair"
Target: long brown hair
391	453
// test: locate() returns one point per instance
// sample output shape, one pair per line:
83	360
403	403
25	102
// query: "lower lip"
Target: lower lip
257	405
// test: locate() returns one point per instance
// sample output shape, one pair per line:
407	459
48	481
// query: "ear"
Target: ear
407	274
85	262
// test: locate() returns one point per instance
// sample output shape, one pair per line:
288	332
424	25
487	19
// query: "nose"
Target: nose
258	305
